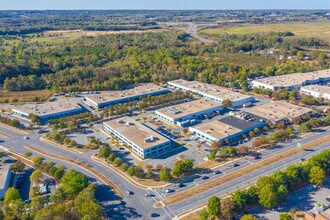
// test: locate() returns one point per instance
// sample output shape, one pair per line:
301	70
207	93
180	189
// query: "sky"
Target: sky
163	4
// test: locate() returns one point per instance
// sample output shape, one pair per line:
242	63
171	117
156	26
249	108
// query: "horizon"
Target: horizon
213	5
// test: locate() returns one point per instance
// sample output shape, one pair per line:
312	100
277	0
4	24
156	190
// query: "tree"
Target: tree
267	196
213	206
188	164
38	202
252	134
165	174
112	157
159	166
57	137
317	175
178	168
72	125
285	216
73	182
124	166
34	118
203	214
36	176
17	167
256	143
212	155
227	209
243	150
28	154
117	162
86	204
138	171
37	161
248	217
226	103
296	121
216	145
131	171
11	195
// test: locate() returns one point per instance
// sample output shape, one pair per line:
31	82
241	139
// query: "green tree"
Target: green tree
203	214
317	175
86	204
28	154
112	157
226	103
213	206
212	155
165	174
285	216
117	162
37	161
73	182
105	151
178	168
188	164
34	118
36	176
18	167
11	195
57	137
248	217
131	171
38	202
124	166
138	171
267	196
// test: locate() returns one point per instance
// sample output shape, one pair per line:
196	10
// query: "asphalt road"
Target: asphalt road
137	206
192	31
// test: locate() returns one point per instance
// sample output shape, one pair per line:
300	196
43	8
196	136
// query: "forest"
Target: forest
115	61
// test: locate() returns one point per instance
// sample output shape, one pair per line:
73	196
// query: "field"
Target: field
26	96
316	29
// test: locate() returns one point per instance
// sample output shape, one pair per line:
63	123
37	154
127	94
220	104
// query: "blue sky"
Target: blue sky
164	4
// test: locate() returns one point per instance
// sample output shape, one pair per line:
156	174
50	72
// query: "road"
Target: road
192	31
138	206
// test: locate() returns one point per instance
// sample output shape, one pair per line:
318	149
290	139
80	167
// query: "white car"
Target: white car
25	137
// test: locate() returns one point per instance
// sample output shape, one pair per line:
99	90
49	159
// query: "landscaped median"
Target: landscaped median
84	166
5	135
236	174
142	183
76	151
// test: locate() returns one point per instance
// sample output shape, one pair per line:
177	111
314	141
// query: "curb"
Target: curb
128	178
102	177
60	146
14	129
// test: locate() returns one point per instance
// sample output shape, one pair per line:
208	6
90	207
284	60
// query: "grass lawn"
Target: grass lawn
314	29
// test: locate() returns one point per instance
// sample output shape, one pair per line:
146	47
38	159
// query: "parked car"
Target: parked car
205	177
154	215
256	157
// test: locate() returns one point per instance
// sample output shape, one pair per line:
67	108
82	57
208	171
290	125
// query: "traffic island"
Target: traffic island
82	165
236	174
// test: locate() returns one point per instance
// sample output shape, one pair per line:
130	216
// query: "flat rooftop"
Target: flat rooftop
316	88
136	132
217	129
188	108
47	108
138	90
4	172
294	78
278	110
212	90
326	213
243	121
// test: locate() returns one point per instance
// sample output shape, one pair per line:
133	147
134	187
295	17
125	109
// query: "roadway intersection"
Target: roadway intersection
138	206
